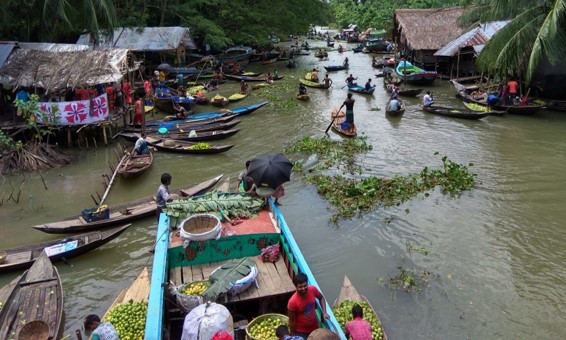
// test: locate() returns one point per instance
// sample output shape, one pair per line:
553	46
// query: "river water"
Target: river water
496	253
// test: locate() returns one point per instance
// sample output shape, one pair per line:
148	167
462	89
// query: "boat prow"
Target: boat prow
137	292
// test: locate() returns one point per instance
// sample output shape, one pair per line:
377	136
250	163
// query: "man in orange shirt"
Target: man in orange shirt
513	87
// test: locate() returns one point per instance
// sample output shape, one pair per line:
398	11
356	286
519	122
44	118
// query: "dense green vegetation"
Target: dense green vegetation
537	32
379	13
215	22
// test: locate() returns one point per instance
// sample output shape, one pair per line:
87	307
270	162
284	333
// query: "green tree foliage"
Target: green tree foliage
537	31
218	23
379	13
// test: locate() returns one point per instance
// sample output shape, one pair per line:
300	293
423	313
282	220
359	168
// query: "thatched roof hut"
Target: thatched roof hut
54	71
427	29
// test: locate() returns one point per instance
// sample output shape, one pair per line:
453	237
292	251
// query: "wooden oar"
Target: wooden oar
111	181
332	122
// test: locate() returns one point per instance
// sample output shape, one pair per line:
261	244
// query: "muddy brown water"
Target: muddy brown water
496	254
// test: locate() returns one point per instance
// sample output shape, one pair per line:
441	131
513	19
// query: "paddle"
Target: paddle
332	122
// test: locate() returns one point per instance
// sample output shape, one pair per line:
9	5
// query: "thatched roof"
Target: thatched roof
54	71
428	29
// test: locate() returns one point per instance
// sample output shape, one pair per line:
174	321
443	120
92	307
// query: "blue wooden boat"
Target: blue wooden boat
241	111
360	89
174	263
414	74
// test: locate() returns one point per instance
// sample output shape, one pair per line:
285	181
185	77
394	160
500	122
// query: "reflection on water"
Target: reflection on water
496	253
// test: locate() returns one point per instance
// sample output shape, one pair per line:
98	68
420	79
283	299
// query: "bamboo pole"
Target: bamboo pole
111	181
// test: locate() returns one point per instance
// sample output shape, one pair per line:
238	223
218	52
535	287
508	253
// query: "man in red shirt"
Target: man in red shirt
358	329
513	86
302	307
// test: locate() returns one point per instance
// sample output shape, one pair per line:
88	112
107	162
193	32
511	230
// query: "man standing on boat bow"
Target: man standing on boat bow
302	307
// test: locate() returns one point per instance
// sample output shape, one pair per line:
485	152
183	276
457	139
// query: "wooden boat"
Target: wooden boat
200	137
477	107
186	127
341	49
336	125
165	104
252	74
237	97
455	112
304	97
72	246
37	295
181	146
219	101
415	75
313	84
556	105
134	165
528	109
246	78
267	62
395	113
335	68
173	263
260	86
137	292
202	100
123	213
360	89
403	91
350	293
330	45
239	54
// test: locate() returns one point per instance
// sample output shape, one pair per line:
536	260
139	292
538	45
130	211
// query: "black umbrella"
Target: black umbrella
270	170
164	67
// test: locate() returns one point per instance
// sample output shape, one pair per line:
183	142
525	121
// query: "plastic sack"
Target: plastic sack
192	134
187	303
203	322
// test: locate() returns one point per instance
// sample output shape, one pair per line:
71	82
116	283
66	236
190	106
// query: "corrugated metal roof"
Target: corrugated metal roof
152	39
478	36
5	51
50	47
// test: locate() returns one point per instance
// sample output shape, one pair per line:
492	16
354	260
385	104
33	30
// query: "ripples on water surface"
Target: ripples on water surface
496	253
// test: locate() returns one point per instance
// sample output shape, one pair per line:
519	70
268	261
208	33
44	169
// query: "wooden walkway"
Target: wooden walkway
273	278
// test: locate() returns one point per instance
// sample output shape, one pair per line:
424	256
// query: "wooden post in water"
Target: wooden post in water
458	66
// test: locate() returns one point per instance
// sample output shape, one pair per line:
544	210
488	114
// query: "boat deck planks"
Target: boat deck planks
137	292
273	278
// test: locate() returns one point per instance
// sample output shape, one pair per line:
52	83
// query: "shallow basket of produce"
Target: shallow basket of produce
189	295
264	326
128	319
343	314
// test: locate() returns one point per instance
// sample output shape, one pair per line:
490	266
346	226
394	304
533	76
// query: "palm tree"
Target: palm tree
91	16
537	31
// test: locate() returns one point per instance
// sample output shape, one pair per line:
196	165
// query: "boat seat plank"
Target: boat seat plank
273	279
187	275
94	237
19	257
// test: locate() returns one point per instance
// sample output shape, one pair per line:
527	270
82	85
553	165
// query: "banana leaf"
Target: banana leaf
233	204
228	273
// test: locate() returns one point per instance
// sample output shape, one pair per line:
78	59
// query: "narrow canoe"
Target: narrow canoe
42	285
340	118
267	62
313	84
134	165
72	246
395	113
137	292
179	146
519	110
455	112
123	213
166	104
405	92
200	137
246	78
556	105
335	68
350	293
186	127
360	89
330	45
237	97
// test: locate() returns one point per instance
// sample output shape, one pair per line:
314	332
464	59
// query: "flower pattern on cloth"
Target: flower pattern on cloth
75	112
105	331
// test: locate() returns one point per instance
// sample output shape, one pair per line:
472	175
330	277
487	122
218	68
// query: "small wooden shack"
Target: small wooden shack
419	33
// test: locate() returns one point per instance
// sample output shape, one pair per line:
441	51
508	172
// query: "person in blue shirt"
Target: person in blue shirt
368	85
23	96
282	333
492	100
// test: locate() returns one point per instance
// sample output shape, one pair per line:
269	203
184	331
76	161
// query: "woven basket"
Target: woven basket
200	227
34	330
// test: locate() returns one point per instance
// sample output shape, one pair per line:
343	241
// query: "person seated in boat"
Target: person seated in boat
428	100
349	104
199	94
302	89
394	105
314	75
100	330
395	92
269	78
282	333
346	62
327	81
302	307
368	86
389	47
180	112
492	100
358	328
350	80
373	62
243	87
141	147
